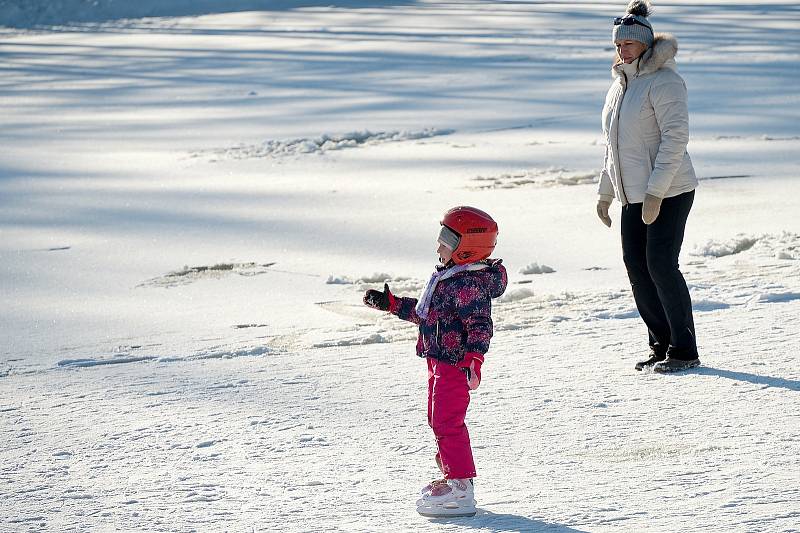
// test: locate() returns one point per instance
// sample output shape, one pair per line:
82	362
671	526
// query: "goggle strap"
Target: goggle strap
630	21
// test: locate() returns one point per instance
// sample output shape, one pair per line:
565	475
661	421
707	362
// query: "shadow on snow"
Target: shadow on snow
499	522
746	377
21	16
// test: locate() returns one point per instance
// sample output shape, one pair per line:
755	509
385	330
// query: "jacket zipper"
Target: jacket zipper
618	159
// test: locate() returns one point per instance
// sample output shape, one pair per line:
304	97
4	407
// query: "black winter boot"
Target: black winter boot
675	365
655	357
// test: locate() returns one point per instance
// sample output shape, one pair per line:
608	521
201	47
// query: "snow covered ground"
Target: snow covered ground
191	207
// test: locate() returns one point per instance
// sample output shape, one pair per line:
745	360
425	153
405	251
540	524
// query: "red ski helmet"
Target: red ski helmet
469	232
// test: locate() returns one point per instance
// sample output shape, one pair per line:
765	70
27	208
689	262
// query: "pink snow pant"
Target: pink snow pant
448	399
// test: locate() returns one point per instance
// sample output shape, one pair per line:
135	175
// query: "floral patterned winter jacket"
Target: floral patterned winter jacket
460	317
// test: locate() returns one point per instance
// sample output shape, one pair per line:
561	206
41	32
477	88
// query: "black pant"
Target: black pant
651	258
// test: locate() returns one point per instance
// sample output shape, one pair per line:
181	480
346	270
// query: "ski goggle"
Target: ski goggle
630	21
449	237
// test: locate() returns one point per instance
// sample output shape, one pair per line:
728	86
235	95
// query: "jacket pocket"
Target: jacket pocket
430	339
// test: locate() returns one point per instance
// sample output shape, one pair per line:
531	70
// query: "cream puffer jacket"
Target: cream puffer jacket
646	129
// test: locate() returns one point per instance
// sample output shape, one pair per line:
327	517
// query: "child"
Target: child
455	325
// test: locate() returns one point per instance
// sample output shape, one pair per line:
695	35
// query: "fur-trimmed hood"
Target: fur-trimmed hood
664	49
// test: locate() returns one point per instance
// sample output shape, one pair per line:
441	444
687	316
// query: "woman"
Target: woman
647	168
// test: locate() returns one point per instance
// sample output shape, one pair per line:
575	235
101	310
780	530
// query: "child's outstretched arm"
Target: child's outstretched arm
386	301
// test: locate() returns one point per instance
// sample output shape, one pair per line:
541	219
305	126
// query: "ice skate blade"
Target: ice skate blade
447	510
450	514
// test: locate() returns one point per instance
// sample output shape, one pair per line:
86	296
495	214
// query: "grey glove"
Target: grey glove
602	211
650	208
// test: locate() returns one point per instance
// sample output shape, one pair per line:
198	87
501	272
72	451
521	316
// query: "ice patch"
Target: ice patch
353	309
535	268
322	144
736	245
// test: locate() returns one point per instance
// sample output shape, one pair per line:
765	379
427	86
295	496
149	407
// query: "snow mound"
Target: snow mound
615	315
535	268
547	177
399	285
187	274
355	340
323	144
516	295
377	277
89	362
786	245
777	297
222	352
708	305
714	248
783	246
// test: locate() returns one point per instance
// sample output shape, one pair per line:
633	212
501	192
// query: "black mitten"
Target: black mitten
379	300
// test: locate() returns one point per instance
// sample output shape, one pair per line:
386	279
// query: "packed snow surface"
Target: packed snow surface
195	195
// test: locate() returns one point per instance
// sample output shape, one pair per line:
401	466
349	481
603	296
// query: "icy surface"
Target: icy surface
192	204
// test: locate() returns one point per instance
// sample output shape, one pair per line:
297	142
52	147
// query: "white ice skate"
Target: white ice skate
429	487
453	498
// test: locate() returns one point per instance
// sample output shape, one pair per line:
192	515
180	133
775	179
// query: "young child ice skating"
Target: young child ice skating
455	326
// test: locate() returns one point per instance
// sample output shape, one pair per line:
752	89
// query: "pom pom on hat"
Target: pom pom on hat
640	8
